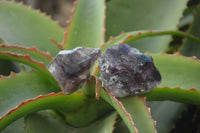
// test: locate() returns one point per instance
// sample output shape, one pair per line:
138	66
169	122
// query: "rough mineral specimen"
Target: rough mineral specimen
71	68
125	71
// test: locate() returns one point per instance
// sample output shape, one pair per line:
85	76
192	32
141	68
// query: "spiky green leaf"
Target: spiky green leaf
190	47
45	121
134	15
86	26
23	26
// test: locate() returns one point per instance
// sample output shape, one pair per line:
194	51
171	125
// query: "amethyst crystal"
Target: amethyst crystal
71	68
125	71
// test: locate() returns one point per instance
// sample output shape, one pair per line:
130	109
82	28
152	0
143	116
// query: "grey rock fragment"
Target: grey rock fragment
71	68
125	71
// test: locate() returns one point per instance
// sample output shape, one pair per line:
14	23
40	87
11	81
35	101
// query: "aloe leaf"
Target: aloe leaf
23	26
44	121
11	90
190	47
51	101
186	20
140	112
153	14
27	60
77	111
137	115
15	127
87	114
180	78
166	113
187	77
126	37
169	66
30	100
105	124
12	87
109	98
190	96
121	110
86	26
32	52
177	70
188	14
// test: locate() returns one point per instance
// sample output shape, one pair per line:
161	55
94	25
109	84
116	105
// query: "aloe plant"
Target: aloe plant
31	100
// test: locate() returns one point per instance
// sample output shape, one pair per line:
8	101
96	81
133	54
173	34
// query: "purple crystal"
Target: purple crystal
71	68
125	71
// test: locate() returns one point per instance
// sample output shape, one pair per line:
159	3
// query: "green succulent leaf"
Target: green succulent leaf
166	113
28	92
32	52
183	87
23	26
136	116
86	26
169	66
87	114
77	111
51	101
27	60
121	110
15	127
135	35
45	121
12	93
90	112
177	70
28	99
140	112
134	15
190	47
190	96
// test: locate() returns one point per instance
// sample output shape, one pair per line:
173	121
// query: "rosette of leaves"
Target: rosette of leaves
31	100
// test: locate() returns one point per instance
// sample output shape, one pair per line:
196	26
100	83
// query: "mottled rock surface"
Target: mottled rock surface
125	71
71	68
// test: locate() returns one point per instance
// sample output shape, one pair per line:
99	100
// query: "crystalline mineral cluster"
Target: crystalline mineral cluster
71	68
125	71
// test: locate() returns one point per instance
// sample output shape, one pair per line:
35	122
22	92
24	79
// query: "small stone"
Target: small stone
125	71
71	68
